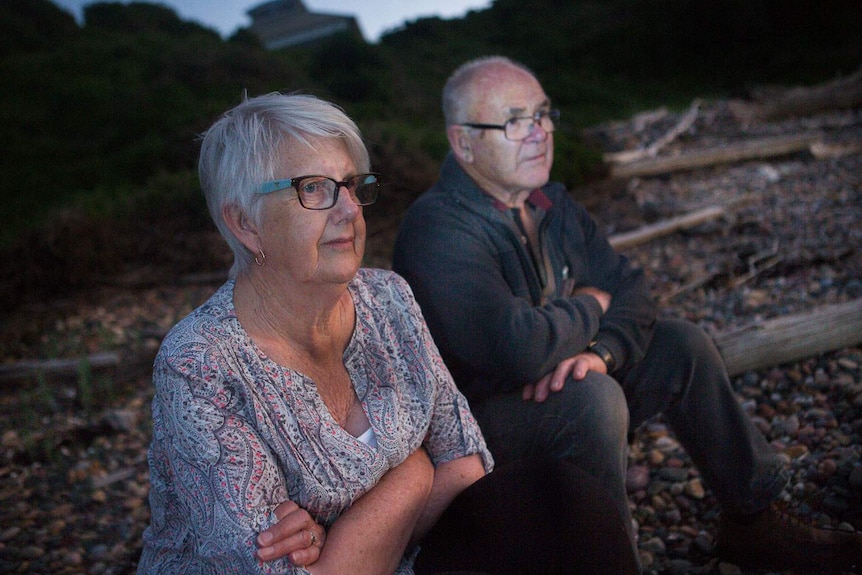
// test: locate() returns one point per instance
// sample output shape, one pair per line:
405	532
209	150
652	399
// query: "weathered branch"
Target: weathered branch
651	151
644	234
27	368
748	150
791	338
121	367
758	263
120	474
642	120
827	150
801	101
699	281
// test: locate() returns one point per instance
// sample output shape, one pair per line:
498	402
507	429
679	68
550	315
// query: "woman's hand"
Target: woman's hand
296	535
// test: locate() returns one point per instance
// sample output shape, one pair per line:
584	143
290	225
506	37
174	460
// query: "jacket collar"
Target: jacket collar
459	182
537	198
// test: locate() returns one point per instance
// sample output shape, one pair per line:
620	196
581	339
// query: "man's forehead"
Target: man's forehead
528	109
509	91
514	104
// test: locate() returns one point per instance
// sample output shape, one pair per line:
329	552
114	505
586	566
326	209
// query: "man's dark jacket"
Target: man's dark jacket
473	277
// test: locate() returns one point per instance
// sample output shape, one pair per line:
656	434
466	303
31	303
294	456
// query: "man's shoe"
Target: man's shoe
775	540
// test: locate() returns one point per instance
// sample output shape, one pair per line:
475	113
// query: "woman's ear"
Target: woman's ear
460	142
242	227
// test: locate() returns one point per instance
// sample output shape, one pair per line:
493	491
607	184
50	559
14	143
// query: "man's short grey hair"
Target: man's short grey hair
457	93
242	149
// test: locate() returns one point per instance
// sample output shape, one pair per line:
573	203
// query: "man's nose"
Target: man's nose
537	132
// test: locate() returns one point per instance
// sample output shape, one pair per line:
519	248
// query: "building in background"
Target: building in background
287	23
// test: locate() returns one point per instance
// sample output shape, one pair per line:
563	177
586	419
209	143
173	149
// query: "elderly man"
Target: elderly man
553	336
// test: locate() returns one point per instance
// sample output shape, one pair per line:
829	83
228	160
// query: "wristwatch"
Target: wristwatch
603	352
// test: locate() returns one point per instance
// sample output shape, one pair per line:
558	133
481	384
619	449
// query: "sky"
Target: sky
374	16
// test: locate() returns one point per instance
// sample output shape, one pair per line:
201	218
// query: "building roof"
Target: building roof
284	23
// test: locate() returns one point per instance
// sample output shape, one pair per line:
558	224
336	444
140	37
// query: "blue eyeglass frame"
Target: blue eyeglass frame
277	185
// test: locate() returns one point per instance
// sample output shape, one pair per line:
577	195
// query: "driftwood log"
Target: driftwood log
827	150
791	338
766	104
651	151
693	159
121	367
644	234
27	369
802	101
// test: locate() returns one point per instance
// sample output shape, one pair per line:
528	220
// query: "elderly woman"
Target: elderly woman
303	419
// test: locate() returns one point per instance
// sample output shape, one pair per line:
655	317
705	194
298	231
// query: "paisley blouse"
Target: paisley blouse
235	434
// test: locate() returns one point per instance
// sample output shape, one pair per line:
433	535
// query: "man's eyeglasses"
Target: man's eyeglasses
321	193
520	127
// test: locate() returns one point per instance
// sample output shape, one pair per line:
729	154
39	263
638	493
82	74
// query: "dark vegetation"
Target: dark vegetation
99	122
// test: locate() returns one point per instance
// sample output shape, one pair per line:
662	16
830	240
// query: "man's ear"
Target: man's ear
460	142
242	227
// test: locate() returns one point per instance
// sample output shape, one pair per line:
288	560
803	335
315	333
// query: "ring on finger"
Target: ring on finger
313	537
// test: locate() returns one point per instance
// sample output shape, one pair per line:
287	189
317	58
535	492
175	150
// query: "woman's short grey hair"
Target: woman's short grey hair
458	91
243	147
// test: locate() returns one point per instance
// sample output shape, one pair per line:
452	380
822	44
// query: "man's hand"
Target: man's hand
603	297
296	536
576	366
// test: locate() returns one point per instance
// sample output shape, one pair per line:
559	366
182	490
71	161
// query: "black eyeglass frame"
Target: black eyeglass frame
278	185
553	115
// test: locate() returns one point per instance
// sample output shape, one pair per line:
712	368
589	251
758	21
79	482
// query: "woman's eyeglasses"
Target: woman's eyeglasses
321	193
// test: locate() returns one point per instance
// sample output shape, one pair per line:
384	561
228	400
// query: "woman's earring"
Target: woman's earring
260	259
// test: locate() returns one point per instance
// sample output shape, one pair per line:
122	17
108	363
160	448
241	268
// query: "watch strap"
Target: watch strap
604	353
